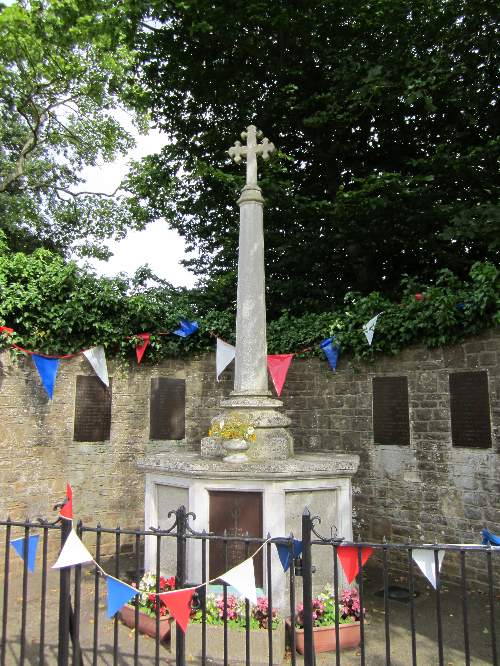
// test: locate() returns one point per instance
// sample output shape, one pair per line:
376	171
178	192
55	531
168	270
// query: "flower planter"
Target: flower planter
147	624
236	644
325	639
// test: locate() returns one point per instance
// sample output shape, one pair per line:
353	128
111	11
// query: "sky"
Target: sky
158	245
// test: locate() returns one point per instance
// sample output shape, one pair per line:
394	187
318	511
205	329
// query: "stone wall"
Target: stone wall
428	490
38	453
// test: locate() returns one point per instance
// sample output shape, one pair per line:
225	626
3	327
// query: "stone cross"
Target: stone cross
250	151
251	392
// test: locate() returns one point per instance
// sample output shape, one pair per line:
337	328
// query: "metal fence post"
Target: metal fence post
309	657
181	517
64	601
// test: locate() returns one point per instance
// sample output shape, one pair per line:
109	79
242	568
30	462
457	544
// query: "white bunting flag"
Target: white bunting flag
97	359
242	578
425	559
369	328
224	355
73	552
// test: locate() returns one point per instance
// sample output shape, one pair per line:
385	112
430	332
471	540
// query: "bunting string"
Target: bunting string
278	364
241	577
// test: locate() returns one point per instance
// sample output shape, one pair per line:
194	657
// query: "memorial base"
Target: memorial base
321	483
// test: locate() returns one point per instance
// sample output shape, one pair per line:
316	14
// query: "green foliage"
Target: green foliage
385	114
64	72
56	308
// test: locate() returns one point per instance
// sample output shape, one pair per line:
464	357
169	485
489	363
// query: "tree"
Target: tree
385	113
64	70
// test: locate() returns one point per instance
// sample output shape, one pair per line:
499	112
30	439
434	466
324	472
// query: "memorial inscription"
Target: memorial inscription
470	409
92	410
391	421
234	514
167	411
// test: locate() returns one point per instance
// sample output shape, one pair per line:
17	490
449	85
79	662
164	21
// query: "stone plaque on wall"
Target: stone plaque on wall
470	409
391	421
167	411
234	514
92	410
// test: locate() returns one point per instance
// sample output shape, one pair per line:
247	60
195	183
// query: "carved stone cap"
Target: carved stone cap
305	466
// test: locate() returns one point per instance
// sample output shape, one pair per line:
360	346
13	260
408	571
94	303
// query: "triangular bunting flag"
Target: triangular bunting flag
278	365
223	356
242	578
73	552
141	348
97	359
369	328
285	555
348	556
119	594
178	603
424	557
331	351
67	508
186	328
18	545
47	369
490	538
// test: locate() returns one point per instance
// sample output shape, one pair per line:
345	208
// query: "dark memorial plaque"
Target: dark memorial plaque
470	409
234	514
92	410
167	409
391	420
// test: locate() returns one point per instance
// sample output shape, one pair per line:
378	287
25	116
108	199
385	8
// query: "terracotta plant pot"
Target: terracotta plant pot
147	624
325	638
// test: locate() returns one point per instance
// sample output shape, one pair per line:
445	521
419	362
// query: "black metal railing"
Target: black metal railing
59	617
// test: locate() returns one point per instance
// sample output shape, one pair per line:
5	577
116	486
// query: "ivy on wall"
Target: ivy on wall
55	307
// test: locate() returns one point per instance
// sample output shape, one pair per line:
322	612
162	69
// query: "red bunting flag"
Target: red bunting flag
348	556
179	605
141	348
278	365
67	508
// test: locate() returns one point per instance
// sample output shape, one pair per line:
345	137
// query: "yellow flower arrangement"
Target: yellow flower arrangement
234	426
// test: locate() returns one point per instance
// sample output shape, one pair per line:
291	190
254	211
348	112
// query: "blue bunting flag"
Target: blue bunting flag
119	594
490	538
18	545
47	369
331	351
186	329
285	555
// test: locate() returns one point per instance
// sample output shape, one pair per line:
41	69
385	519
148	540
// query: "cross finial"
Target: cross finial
250	152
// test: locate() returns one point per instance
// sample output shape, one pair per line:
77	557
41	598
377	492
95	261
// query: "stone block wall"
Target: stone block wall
38	453
428	491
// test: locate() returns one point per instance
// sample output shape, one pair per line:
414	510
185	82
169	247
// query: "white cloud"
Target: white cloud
160	247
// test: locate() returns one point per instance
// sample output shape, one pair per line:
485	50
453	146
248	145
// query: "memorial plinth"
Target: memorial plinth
321	483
